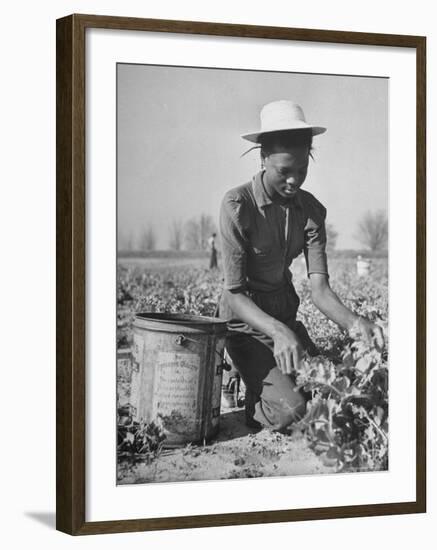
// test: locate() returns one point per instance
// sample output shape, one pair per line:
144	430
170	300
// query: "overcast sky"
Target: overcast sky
179	142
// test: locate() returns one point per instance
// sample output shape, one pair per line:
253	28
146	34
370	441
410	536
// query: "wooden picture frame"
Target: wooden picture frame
71	284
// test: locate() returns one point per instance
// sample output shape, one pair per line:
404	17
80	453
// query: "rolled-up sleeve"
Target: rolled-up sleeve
315	238
233	243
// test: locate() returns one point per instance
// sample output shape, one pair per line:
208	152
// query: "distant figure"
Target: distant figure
213	250
363	266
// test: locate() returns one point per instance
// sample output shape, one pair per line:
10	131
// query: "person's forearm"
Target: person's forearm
246	310
330	305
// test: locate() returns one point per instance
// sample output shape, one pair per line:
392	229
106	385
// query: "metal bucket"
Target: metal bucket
177	366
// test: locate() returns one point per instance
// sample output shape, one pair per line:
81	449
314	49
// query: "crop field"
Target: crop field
346	424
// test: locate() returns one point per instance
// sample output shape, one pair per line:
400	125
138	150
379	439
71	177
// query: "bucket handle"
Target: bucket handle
181	339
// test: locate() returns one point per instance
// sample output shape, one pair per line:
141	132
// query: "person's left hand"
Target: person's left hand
371	332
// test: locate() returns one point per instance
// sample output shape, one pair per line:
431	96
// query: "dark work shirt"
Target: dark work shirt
256	254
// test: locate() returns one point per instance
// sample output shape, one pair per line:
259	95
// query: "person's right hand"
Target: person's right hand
287	349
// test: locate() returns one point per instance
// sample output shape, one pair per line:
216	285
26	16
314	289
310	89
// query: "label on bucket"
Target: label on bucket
175	395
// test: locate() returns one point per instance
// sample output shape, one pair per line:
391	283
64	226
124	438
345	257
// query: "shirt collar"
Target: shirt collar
261	197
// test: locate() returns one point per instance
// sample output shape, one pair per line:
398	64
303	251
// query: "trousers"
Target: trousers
272	399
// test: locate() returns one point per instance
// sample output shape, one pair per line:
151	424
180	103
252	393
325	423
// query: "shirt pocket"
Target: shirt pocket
262	246
258	252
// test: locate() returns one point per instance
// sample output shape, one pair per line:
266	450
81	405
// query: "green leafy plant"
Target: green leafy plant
347	415
138	441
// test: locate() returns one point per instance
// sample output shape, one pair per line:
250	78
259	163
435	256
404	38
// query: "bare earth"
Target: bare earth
237	452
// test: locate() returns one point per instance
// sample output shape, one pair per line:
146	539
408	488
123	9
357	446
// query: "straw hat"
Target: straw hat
279	116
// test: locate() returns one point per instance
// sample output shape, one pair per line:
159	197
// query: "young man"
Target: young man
264	225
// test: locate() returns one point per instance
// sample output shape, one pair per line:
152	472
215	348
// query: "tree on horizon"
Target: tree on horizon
372	230
147	239
197	232
176	231
331	237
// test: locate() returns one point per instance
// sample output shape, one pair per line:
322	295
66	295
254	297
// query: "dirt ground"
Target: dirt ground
236	452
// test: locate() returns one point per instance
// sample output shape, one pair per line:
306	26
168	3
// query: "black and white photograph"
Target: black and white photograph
252	274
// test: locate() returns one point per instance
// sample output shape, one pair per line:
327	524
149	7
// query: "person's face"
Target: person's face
285	170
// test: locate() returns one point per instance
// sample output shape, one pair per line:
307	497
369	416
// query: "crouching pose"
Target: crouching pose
264	225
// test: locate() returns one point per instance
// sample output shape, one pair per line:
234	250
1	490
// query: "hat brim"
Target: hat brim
254	136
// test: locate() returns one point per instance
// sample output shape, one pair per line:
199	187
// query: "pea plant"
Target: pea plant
347	414
138	441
